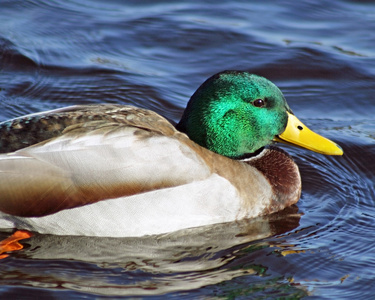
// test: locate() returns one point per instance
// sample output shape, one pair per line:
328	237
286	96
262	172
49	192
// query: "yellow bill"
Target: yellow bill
296	133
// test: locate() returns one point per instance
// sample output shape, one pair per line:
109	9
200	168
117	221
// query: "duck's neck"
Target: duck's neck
249	155
282	173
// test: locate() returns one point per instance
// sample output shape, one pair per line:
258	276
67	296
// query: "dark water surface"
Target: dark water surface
154	55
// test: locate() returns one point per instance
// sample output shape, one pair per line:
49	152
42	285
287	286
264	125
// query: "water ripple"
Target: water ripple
154	55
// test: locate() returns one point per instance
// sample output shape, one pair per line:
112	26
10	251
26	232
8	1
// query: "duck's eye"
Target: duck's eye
259	103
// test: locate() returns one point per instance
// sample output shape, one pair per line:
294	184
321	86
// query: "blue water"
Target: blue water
154	55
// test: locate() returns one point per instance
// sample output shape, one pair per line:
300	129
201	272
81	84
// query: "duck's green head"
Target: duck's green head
236	113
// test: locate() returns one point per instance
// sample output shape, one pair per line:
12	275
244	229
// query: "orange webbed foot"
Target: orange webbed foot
12	243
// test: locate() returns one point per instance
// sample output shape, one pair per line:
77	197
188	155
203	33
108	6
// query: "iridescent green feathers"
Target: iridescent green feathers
235	113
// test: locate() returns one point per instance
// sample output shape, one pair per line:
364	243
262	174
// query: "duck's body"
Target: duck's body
111	170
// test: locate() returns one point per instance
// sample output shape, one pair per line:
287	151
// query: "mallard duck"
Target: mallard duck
118	170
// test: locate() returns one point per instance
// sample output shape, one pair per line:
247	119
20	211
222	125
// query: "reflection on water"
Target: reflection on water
184	260
154	54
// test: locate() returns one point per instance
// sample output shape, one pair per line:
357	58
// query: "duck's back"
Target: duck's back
31	129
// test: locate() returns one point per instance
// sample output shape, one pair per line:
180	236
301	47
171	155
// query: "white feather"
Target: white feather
120	157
